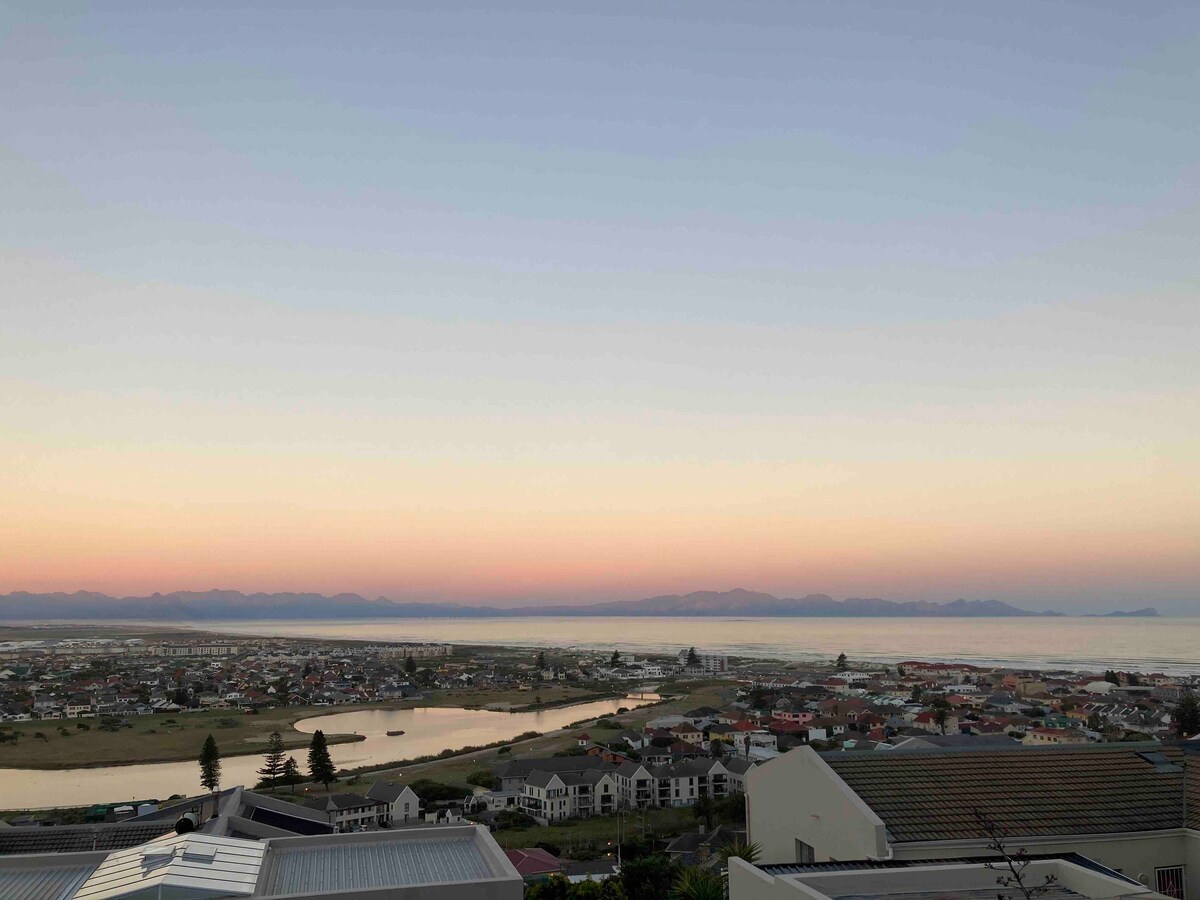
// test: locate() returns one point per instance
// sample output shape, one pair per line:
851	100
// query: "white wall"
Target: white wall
797	796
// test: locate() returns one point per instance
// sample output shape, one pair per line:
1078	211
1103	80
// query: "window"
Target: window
1169	881
804	852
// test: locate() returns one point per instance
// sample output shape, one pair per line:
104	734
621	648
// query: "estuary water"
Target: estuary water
427	730
1070	642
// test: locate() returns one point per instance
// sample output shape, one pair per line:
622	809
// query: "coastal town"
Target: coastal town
669	778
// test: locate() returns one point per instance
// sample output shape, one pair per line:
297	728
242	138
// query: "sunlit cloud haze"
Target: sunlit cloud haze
536	304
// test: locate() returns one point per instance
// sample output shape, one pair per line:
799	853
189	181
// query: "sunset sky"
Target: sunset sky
536	302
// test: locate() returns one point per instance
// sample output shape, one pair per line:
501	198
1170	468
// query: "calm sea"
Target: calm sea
1170	645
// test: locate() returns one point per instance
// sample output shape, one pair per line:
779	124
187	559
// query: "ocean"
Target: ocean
1074	643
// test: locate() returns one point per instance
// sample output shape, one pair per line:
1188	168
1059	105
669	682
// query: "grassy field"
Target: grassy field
158	738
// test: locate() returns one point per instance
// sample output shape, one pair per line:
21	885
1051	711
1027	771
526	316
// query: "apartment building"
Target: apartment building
551	797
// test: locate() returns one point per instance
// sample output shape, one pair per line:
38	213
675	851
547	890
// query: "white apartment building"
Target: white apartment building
551	797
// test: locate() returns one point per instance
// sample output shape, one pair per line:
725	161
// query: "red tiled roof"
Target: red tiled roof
533	861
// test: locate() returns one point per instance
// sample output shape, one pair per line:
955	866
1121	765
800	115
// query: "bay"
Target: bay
1069	642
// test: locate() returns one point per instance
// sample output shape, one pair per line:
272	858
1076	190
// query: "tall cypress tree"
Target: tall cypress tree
210	765
272	760
1187	716
320	764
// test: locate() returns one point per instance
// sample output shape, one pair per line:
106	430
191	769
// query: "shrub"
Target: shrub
484	778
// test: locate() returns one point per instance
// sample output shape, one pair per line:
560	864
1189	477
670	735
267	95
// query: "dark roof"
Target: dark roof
386	791
934	795
283	821
77	838
522	768
340	801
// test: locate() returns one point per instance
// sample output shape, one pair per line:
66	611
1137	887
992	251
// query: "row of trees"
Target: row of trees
278	768
653	877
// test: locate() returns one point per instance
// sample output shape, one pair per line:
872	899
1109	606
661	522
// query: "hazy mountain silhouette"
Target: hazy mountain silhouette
224	604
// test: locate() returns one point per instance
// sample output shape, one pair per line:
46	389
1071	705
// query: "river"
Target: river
1068	642
427	730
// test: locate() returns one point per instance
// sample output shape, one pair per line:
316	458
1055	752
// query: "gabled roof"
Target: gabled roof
934	795
386	791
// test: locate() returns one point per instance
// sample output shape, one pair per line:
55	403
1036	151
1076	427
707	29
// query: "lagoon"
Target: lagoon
427	730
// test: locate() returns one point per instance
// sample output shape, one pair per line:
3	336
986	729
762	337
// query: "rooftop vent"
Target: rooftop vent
1160	762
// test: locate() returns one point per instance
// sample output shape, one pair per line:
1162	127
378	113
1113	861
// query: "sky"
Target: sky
545	302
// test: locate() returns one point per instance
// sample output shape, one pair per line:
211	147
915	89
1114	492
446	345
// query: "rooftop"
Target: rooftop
934	795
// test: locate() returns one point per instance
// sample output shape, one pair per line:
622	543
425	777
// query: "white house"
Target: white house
403	806
1121	805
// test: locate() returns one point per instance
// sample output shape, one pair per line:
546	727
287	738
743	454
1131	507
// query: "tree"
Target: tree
916	694
616	658
272	760
1134	679
541	660
210	765
842	663
1012	863
941	711
410	665
1187	716
704	808
320	764
747	851
692	658
291	773
648	878
484	778
1111	677
697	884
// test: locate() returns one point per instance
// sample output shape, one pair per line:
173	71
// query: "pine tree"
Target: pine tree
273	760
291	773
616	657
410	665
692	659
320	764
210	765
541	660
1187	716
842	664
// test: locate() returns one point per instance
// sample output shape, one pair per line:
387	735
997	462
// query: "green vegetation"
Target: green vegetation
210	765
272	760
320	766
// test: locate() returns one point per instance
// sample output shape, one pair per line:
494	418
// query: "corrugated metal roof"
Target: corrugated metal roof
344	865
50	883
204	865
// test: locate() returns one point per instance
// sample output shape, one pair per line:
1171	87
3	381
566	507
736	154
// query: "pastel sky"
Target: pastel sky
534	302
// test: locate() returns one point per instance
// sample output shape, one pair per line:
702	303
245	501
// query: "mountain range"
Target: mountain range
224	604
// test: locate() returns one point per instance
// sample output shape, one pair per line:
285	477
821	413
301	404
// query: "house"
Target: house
553	796
1122	805
1035	736
534	863
403	805
351	812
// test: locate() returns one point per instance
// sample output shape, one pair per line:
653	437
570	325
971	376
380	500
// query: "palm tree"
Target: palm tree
698	884
746	851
